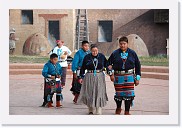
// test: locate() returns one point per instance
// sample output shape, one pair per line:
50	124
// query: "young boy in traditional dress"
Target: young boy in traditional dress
52	72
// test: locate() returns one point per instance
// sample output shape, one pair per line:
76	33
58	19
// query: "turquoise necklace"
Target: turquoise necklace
95	65
124	57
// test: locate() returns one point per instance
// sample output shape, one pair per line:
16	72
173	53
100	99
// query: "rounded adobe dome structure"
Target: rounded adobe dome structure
36	44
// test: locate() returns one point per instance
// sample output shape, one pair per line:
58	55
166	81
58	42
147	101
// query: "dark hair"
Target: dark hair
53	55
85	42
124	38
93	46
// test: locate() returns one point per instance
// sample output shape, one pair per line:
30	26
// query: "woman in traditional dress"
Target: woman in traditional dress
93	91
125	72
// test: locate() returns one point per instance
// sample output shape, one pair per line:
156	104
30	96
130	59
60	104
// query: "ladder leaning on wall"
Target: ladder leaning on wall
82	32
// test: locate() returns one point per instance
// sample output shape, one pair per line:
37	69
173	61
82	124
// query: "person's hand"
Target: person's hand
136	82
53	77
65	53
112	78
110	67
80	81
58	76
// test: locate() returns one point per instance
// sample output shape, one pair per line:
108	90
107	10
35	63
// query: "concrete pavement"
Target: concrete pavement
26	95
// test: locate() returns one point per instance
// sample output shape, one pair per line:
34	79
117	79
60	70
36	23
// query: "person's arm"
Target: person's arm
75	62
109	68
137	65
69	51
111	59
74	67
110	64
137	69
83	68
59	71
45	72
105	62
52	51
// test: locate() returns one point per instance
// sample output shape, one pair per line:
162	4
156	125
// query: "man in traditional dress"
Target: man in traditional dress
76	66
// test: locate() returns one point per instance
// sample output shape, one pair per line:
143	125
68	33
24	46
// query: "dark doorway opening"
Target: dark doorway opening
54	32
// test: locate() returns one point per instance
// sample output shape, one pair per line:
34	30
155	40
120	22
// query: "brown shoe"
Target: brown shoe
58	104
127	113
118	111
49	105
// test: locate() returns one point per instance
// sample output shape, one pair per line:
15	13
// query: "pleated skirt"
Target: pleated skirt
93	90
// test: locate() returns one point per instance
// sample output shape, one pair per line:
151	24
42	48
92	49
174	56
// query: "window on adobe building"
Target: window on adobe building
27	16
105	29
161	15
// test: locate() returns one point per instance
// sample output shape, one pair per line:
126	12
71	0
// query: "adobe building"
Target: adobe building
147	29
51	24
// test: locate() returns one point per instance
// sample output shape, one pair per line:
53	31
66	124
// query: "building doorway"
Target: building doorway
53	32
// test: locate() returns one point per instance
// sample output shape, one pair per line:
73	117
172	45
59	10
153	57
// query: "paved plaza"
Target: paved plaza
26	95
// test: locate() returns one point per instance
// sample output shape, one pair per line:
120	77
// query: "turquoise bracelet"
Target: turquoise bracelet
138	77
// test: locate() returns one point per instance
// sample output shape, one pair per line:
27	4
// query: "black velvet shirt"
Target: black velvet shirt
88	63
132	61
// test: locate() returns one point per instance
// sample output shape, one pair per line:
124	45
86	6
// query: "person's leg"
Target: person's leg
46	92
45	96
75	98
58	100
63	76
99	111
90	110
127	106
49	96
13	51
77	92
59	96
118	104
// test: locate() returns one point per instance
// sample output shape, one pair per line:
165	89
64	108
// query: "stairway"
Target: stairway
156	72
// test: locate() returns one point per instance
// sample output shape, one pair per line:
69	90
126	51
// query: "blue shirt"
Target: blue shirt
51	69
78	59
132	61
